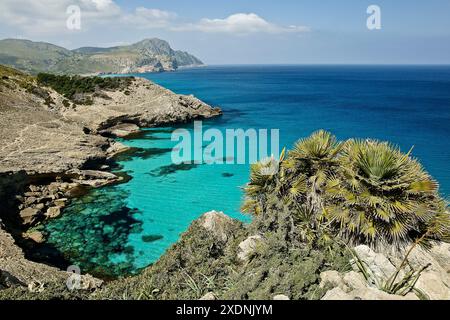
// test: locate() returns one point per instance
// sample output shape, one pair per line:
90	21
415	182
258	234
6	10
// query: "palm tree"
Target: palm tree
305	172
365	191
382	196
262	183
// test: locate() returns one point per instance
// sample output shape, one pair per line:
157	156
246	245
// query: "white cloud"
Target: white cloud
150	18
240	23
49	16
32	17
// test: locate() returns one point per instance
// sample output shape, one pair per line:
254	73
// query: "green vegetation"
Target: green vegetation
364	191
35	57
73	86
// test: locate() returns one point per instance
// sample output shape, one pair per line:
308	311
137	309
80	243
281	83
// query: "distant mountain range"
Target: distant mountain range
149	55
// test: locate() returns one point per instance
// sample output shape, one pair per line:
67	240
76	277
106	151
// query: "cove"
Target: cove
104	231
117	230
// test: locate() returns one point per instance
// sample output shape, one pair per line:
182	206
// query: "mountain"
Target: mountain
149	55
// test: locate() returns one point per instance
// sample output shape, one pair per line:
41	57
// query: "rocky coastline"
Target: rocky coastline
54	150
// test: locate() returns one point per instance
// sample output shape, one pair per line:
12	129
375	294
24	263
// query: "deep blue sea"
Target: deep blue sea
122	228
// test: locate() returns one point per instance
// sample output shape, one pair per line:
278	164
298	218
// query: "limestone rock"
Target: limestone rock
217	223
53	212
337	294
378	263
29	215
36	236
115	148
333	278
434	286
434	282
352	286
208	296
248	247
121	130
281	297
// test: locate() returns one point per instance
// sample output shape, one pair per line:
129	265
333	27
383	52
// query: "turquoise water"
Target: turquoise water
117	230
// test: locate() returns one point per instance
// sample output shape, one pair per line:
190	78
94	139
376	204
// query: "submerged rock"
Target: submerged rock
152	237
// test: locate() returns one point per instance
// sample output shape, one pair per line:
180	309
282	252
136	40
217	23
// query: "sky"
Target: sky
246	31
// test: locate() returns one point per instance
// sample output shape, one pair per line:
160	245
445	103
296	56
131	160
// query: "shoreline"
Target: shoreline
41	187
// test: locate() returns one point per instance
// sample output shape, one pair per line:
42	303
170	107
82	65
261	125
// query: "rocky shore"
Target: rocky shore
53	149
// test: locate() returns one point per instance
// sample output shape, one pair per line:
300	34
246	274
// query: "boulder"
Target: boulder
208	296
29	215
434	281
247	247
337	294
53	212
36	236
217	223
378	263
281	297
333	278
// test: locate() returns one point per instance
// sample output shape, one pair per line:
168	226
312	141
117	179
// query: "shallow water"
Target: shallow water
119	229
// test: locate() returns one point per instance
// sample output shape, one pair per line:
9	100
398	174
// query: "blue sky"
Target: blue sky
247	31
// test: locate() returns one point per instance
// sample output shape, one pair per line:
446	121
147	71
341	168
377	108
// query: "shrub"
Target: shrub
70	86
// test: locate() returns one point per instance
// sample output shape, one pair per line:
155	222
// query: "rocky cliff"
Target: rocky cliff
149	55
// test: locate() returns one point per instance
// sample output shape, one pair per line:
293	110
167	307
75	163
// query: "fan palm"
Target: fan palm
262	183
362	190
306	170
382	196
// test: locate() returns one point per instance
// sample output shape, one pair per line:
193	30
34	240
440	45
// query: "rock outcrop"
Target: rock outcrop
218	224
433	283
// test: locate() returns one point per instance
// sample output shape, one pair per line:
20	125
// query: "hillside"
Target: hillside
149	55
